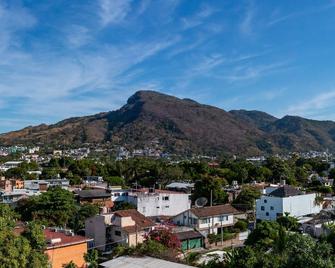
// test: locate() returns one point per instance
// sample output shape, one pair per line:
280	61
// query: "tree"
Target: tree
55	207
208	184
304	251
246	199
288	222
115	181
332	173
83	212
91	257
71	264
165	237
20	250
34	234
264	235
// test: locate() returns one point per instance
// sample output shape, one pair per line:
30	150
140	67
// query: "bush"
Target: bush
213	238
241	226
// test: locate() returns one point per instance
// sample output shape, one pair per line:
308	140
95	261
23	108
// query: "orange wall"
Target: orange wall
60	256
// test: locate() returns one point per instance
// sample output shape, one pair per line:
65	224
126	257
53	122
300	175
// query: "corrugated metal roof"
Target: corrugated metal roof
144	262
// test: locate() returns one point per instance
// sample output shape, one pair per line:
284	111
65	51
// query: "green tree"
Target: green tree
264	235
115	181
54	208
71	264
91	257
208	184
246	199
288	222
34	234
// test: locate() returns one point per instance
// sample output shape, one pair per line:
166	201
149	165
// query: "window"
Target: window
157	207
143	209
265	201
223	218
166	198
117	233
267	213
262	208
206	220
167	206
271	208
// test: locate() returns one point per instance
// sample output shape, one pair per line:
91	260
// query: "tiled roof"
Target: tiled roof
286	191
188	235
66	240
140	220
214	211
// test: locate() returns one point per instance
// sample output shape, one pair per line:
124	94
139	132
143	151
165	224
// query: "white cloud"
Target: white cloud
199	18
13	20
246	25
78	35
316	106
113	11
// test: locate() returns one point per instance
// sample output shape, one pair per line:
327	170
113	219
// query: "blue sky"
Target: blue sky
71	58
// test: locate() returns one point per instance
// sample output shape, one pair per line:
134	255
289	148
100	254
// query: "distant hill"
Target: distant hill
184	126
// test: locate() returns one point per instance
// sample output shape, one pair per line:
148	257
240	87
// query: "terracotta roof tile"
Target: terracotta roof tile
214	210
66	240
141	221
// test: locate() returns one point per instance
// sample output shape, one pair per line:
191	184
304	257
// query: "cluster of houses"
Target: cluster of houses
14	190
170	208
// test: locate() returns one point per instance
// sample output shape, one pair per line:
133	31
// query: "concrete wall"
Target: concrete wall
95	228
296	206
156	205
60	256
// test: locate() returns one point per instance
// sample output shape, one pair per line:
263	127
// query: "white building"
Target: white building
16	195
153	202
286	199
208	220
10	164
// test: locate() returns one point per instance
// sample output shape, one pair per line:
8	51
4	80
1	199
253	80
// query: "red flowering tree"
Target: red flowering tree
164	237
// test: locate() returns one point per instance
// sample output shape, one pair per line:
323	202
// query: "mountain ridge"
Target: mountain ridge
183	126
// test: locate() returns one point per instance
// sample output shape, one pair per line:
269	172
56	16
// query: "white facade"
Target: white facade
160	203
271	207
205	225
9	165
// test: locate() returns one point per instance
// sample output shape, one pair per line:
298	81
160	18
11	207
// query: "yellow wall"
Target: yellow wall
60	256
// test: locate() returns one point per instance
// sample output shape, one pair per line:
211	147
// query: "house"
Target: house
127	227
6	185
93	180
57	182
12	197
36	185
317	226
208	220
286	199
101	198
10	164
190	239
63	247
153	202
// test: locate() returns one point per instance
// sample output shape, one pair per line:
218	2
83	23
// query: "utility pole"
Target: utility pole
211	198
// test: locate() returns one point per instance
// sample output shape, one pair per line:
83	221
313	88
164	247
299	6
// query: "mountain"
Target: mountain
183	126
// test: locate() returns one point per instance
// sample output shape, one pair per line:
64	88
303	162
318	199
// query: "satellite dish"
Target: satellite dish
201	202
